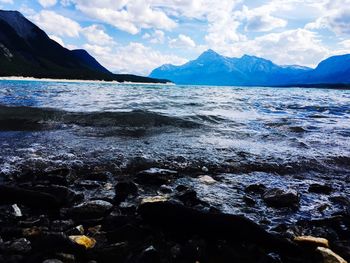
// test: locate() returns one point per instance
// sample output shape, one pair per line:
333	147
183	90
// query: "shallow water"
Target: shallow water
283	136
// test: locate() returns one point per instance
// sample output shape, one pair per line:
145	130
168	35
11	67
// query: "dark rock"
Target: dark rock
62	225
255	188
90	209
150	255
165	189
11	195
181	188
249	201
64	195
124	189
276	197
88	184
127	208
52	261
320	189
183	221
20	246
189	198
155	176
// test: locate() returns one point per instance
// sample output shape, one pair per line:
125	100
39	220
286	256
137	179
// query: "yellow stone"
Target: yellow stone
329	256
85	241
310	240
155	199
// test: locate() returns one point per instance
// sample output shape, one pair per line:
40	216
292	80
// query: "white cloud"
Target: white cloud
57	39
47	3
182	41
96	35
6	1
157	37
134	58
56	24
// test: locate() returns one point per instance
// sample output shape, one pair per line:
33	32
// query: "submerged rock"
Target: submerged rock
90	209
312	241
329	256
320	189
276	197
155	176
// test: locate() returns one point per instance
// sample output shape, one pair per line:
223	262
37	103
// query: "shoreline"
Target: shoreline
79	81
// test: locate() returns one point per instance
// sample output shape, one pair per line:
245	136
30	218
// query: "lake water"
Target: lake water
281	136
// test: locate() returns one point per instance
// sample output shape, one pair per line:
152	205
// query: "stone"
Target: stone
255	188
90	209
52	261
248	200
20	246
150	255
312	241
320	189
83	240
206	179
16	211
278	198
155	176
124	189
329	256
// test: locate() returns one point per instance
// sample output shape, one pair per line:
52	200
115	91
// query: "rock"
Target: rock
205	169
88	184
83	240
255	188
320	189
52	261
329	256
35	199
165	189
61	225
312	241
90	209
278	198
181	188
180	220
127	208
249	201
150	255
20	246
16	211
189	198
154	199
124	189
155	176
63	194
206	179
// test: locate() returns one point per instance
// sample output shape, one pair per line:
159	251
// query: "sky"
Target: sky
136	36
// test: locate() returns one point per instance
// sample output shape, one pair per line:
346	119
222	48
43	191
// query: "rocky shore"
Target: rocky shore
93	214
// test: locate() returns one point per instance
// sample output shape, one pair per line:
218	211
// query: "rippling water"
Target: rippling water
234	130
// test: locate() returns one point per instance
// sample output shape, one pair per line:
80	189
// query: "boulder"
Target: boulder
278	198
255	188
311	241
84	241
90	209
320	189
329	256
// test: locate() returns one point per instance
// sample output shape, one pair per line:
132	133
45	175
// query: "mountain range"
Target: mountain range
211	68
27	51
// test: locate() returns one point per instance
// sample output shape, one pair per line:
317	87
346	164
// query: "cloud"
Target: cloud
134	58
57	39
127	15
182	41
56	24
157	37
6	1
96	35
47	3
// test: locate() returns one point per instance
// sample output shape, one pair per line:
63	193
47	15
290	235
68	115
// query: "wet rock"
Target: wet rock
205	169
320	189
311	241
61	225
127	208
16	211
165	189
150	255
155	176
206	179
52	261
63	195
84	241
278	198
90	209
189	198
12	194
255	188
329	256
88	184
249	200
20	246
182	221
181	188
124	189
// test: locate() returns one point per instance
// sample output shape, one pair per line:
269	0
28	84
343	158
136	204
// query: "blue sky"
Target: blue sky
135	36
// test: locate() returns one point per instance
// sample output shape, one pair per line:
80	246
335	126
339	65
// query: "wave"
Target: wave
31	118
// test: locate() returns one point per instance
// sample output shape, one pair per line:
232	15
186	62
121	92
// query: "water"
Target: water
286	137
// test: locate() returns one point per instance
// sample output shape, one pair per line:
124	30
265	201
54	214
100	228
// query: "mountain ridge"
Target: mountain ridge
211	68
27	51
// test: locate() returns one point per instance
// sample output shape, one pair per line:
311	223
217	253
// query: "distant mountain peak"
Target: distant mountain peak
18	22
209	55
